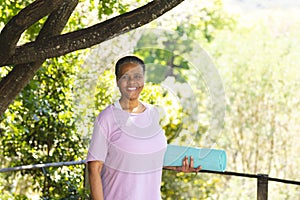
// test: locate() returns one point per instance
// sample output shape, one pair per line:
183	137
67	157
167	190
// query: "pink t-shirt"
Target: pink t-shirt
132	147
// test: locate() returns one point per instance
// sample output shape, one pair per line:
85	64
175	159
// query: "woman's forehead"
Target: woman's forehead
130	68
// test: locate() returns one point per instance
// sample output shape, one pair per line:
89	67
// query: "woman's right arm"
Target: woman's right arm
94	168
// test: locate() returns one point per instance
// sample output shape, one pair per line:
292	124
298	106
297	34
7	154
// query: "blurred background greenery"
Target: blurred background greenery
255	49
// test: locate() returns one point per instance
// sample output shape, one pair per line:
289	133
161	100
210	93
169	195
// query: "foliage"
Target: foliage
39	127
47	106
166	60
107	7
188	186
259	65
200	20
8	9
211	19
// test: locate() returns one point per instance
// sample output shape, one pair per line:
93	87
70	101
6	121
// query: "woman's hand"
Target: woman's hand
186	166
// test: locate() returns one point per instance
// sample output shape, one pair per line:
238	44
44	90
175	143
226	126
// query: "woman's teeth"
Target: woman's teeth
133	88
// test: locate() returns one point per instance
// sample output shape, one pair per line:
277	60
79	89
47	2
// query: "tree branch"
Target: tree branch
21	74
57	20
13	30
63	44
29	57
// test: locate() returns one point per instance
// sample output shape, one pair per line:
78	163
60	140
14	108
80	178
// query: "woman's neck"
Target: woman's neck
130	105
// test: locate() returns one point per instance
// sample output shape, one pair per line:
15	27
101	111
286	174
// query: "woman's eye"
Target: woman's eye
138	76
125	77
134	77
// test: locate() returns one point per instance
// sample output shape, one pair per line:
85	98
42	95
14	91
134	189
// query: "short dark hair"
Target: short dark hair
128	59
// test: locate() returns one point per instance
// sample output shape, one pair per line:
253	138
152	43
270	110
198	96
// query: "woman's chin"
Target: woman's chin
133	98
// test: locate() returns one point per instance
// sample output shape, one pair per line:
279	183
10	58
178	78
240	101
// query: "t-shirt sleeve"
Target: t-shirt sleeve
98	145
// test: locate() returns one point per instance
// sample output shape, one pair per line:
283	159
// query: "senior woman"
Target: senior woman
125	157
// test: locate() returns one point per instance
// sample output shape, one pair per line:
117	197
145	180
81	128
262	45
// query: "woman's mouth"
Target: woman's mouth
132	88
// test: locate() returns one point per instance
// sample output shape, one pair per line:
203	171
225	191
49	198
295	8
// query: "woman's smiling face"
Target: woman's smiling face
130	80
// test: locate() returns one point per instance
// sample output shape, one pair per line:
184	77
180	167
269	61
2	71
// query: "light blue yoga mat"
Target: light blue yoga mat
209	159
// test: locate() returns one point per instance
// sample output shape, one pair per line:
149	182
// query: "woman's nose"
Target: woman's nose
131	80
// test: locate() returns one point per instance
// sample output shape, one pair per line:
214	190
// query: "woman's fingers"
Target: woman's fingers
184	164
191	162
189	166
198	168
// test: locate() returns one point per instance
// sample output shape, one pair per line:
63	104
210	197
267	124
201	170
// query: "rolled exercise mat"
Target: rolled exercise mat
209	159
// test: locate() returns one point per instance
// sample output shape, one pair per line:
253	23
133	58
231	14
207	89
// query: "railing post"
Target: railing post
262	187
86	178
